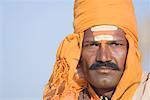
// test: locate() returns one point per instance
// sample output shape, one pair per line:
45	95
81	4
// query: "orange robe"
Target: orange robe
65	83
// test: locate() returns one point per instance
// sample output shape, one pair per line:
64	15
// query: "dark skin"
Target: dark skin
104	80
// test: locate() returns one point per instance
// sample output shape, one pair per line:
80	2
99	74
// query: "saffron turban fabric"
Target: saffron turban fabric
65	82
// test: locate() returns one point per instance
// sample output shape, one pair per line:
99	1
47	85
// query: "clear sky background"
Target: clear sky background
30	32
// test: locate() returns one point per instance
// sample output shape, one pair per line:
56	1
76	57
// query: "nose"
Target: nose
103	53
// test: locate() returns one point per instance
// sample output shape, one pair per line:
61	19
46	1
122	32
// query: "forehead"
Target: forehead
116	34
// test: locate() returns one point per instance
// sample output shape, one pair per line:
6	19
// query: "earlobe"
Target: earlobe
79	65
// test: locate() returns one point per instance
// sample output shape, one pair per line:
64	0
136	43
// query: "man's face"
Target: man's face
103	61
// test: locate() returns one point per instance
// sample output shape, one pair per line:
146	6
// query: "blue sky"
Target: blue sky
30	32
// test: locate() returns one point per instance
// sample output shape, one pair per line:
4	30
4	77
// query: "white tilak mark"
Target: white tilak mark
103	37
104	28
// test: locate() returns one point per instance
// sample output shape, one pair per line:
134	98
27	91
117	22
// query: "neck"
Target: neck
108	92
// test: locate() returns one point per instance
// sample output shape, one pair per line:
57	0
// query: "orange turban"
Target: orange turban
65	82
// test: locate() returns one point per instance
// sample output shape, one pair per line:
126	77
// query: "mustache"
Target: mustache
106	64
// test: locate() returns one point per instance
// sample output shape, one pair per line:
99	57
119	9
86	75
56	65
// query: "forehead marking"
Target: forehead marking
104	28
103	37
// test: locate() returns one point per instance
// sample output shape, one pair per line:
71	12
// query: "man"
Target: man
101	60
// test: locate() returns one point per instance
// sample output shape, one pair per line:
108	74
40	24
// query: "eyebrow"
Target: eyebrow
117	41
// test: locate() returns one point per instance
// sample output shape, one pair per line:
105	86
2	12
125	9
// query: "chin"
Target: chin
100	80
104	82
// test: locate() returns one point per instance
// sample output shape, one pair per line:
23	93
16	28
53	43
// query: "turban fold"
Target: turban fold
65	81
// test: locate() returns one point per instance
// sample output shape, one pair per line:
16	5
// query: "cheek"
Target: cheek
120	57
87	59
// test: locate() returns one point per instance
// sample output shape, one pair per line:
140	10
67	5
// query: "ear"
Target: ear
79	64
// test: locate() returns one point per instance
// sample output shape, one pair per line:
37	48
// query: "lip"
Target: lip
104	69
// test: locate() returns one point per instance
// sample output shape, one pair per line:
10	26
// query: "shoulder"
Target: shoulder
145	77
143	91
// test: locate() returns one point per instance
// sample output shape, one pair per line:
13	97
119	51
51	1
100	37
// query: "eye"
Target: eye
115	44
91	45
